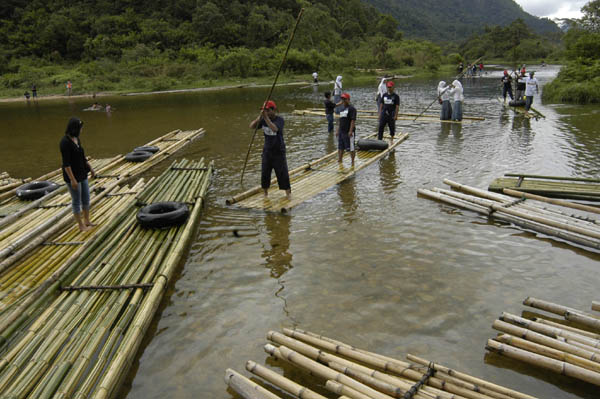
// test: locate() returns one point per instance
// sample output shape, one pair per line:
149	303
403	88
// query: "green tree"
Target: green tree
591	16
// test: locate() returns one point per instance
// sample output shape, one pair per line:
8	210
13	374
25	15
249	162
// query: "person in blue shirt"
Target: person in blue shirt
390	103
346	128
273	155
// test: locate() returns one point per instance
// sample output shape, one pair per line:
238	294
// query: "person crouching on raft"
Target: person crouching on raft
273	155
75	168
346	128
390	103
456	90
444	97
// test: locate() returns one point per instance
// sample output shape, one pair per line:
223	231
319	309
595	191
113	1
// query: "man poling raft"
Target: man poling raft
388	114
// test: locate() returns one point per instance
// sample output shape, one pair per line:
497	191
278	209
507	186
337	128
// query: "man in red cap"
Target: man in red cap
273	155
390	103
346	128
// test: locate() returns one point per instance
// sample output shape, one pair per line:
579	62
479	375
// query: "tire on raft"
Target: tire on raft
517	103
35	189
148	148
372	145
163	214
138	156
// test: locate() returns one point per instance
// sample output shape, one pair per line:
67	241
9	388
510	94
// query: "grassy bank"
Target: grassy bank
577	83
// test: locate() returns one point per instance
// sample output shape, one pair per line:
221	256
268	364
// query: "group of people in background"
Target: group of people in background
34	93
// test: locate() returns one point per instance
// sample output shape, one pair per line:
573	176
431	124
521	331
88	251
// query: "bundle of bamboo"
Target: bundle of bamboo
310	179
24	222
564	349
580	229
354	373
550	186
81	341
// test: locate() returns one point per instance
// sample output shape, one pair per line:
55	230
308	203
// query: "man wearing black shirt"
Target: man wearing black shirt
507	85
388	115
273	155
346	128
329	107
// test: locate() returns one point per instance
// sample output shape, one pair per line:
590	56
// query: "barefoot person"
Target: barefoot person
75	169
273	155
346	128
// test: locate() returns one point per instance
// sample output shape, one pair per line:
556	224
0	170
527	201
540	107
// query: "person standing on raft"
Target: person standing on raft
381	90
507	86
329	107
337	92
273	155
521	85
390	103
456	90
75	168
444	97
531	87
346	128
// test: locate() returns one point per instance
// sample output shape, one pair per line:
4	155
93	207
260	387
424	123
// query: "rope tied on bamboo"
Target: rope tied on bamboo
108	176
121	194
413	390
178	168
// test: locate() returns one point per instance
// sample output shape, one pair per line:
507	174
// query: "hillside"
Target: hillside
456	20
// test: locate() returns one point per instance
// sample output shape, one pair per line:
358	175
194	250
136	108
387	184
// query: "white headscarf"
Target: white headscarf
441	87
381	89
337	88
458	91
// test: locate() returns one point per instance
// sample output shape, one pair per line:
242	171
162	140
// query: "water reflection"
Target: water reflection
276	253
388	173
347	193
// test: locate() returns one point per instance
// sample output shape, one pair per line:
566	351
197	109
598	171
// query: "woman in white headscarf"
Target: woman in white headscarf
337	92
444	96
456	90
381	90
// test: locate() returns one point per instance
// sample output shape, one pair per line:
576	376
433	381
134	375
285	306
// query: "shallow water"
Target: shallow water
367	261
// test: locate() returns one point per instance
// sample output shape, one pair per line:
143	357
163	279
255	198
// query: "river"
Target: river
367	261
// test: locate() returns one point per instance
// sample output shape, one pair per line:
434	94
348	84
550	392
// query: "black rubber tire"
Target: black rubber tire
163	214
138	156
517	103
372	145
148	148
35	189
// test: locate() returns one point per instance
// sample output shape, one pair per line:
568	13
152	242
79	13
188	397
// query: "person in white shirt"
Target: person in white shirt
315	77
337	92
456	90
444	97
381	90
531	87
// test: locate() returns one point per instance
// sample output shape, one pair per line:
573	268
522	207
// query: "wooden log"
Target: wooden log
282	382
246	388
554	201
544	362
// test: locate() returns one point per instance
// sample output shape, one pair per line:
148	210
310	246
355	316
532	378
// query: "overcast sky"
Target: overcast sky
553	8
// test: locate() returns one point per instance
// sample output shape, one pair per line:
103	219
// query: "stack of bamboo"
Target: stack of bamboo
359	374
571	349
550	219
24	223
79	341
8	183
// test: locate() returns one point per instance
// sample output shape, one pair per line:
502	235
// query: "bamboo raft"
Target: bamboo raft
570	347
23	221
424	118
80	341
358	374
550	186
550	219
375	112
8	183
310	179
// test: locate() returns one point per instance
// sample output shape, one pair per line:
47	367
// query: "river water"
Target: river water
367	261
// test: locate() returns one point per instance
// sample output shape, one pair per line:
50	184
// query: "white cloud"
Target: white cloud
553	8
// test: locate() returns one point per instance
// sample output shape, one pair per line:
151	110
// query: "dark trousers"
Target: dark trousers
528	102
329	122
386	120
507	89
277	161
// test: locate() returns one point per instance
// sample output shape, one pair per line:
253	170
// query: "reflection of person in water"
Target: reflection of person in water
347	192
276	254
388	173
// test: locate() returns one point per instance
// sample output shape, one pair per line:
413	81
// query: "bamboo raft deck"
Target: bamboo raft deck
401	117
77	334
310	179
552	220
569	347
27	220
357	373
549	186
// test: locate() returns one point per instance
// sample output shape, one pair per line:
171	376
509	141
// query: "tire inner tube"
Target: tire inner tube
148	148
372	145
36	189
517	103
138	156
163	214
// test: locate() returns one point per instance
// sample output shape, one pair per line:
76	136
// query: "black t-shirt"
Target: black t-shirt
347	115
507	80
273	140
73	156
521	83
329	106
389	102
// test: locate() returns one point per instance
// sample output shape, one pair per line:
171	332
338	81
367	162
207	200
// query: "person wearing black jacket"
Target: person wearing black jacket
75	168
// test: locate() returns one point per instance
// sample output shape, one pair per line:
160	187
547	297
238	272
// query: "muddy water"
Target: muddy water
366	262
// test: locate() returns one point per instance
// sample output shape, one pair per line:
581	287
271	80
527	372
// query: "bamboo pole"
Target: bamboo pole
581	179
549	306
587	320
596	306
567	328
245	387
544	362
554	201
282	382
345	391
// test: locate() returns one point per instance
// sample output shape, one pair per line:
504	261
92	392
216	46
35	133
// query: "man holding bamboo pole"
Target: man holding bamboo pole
273	155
